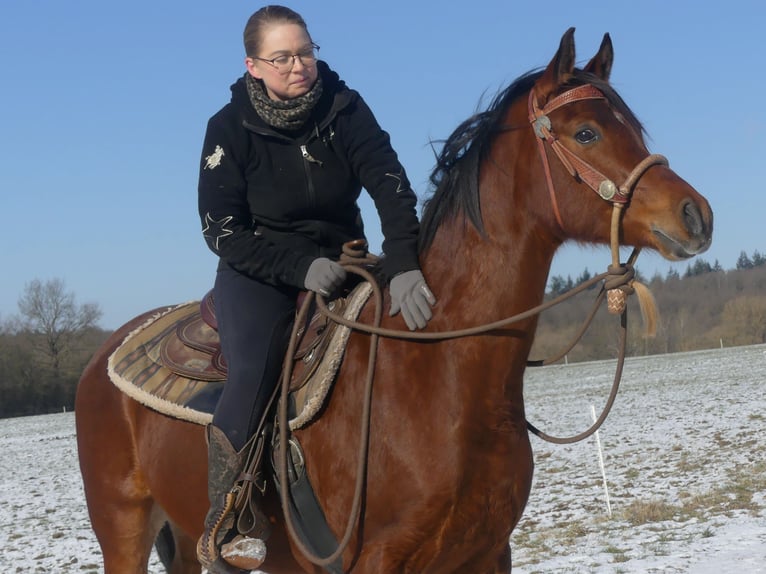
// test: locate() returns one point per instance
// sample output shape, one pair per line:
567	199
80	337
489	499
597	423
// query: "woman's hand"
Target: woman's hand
410	295
324	276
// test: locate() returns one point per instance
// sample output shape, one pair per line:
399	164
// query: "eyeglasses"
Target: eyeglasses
285	62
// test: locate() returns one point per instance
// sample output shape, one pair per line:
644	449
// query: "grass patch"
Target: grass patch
642	512
744	482
618	555
686	465
632	474
574	531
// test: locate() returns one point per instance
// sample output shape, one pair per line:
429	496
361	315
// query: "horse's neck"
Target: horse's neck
476	282
483	280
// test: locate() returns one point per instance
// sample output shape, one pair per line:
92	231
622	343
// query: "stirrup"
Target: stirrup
244	552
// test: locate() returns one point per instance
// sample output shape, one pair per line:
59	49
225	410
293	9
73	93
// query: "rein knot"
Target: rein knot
619	285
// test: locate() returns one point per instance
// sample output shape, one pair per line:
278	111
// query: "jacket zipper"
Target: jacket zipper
308	158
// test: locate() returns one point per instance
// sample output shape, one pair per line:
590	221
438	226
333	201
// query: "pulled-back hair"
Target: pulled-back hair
267	16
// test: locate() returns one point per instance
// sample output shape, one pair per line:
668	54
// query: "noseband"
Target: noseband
577	167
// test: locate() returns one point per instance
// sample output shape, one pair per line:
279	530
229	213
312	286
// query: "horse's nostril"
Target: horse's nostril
693	218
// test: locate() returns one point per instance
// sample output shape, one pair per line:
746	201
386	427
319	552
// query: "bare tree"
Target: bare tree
51	314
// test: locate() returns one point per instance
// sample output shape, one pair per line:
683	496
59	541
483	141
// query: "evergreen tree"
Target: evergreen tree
744	262
557	285
699	267
584	276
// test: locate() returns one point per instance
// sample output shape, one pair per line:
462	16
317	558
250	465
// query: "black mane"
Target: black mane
455	177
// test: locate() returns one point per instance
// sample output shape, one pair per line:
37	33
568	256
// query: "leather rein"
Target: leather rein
618	284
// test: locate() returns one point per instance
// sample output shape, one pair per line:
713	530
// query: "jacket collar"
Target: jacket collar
335	97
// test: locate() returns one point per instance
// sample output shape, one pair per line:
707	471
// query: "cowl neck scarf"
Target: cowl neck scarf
286	115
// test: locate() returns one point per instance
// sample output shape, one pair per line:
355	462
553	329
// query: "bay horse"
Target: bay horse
449	460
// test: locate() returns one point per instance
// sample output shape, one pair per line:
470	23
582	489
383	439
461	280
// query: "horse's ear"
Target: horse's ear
559	69
601	64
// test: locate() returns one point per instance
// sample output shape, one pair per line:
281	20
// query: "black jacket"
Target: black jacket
271	201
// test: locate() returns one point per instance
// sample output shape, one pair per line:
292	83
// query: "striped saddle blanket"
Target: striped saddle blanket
173	364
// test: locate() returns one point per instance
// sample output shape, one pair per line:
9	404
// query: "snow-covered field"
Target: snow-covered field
683	453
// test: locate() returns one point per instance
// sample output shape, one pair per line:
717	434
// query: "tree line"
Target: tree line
559	285
44	349
703	308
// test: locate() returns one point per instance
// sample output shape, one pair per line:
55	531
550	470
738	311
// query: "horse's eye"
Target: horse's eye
586	136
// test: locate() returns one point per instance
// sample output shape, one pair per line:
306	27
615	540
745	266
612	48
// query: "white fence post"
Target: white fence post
601	463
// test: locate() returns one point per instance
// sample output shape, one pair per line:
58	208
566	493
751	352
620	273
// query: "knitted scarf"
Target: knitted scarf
289	115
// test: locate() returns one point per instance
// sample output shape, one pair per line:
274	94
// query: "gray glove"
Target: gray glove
324	276
411	295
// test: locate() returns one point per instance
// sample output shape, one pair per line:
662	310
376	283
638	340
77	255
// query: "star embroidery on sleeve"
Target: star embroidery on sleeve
213	160
215	230
398	178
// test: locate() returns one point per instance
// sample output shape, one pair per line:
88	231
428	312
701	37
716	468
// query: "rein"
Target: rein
617	286
618	280
351	260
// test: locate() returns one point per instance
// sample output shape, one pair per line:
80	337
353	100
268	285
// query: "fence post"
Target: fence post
601	464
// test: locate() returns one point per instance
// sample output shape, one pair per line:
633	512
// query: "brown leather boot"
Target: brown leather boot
225	465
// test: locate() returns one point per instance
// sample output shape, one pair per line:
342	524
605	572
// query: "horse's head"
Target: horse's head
557	156
602	160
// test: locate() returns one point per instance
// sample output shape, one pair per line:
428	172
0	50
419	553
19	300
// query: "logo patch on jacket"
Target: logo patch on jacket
398	177
215	230
214	159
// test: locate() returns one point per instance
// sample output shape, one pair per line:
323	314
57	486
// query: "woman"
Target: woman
282	167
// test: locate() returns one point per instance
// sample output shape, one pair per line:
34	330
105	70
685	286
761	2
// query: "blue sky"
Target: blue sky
104	107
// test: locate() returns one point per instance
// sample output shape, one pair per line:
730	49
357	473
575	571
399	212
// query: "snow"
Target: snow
683	454
684	436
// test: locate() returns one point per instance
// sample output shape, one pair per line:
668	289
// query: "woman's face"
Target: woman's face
284	40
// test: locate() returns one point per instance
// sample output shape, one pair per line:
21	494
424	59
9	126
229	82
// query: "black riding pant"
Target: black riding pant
253	324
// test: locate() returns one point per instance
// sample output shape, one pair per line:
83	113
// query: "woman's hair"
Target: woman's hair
267	16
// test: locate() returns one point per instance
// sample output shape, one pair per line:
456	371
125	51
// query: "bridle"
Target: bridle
577	167
618	284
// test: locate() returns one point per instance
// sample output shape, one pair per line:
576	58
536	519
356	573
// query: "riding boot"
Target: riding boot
225	465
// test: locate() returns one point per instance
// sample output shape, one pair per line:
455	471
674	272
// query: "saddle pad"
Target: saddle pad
135	367
308	399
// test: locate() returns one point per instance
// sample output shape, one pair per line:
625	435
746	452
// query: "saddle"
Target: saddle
173	362
193	349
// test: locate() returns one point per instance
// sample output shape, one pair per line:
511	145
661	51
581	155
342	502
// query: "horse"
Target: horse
449	460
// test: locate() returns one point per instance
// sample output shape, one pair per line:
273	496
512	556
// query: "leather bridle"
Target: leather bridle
577	167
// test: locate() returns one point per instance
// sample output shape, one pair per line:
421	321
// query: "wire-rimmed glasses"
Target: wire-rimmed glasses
285	62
